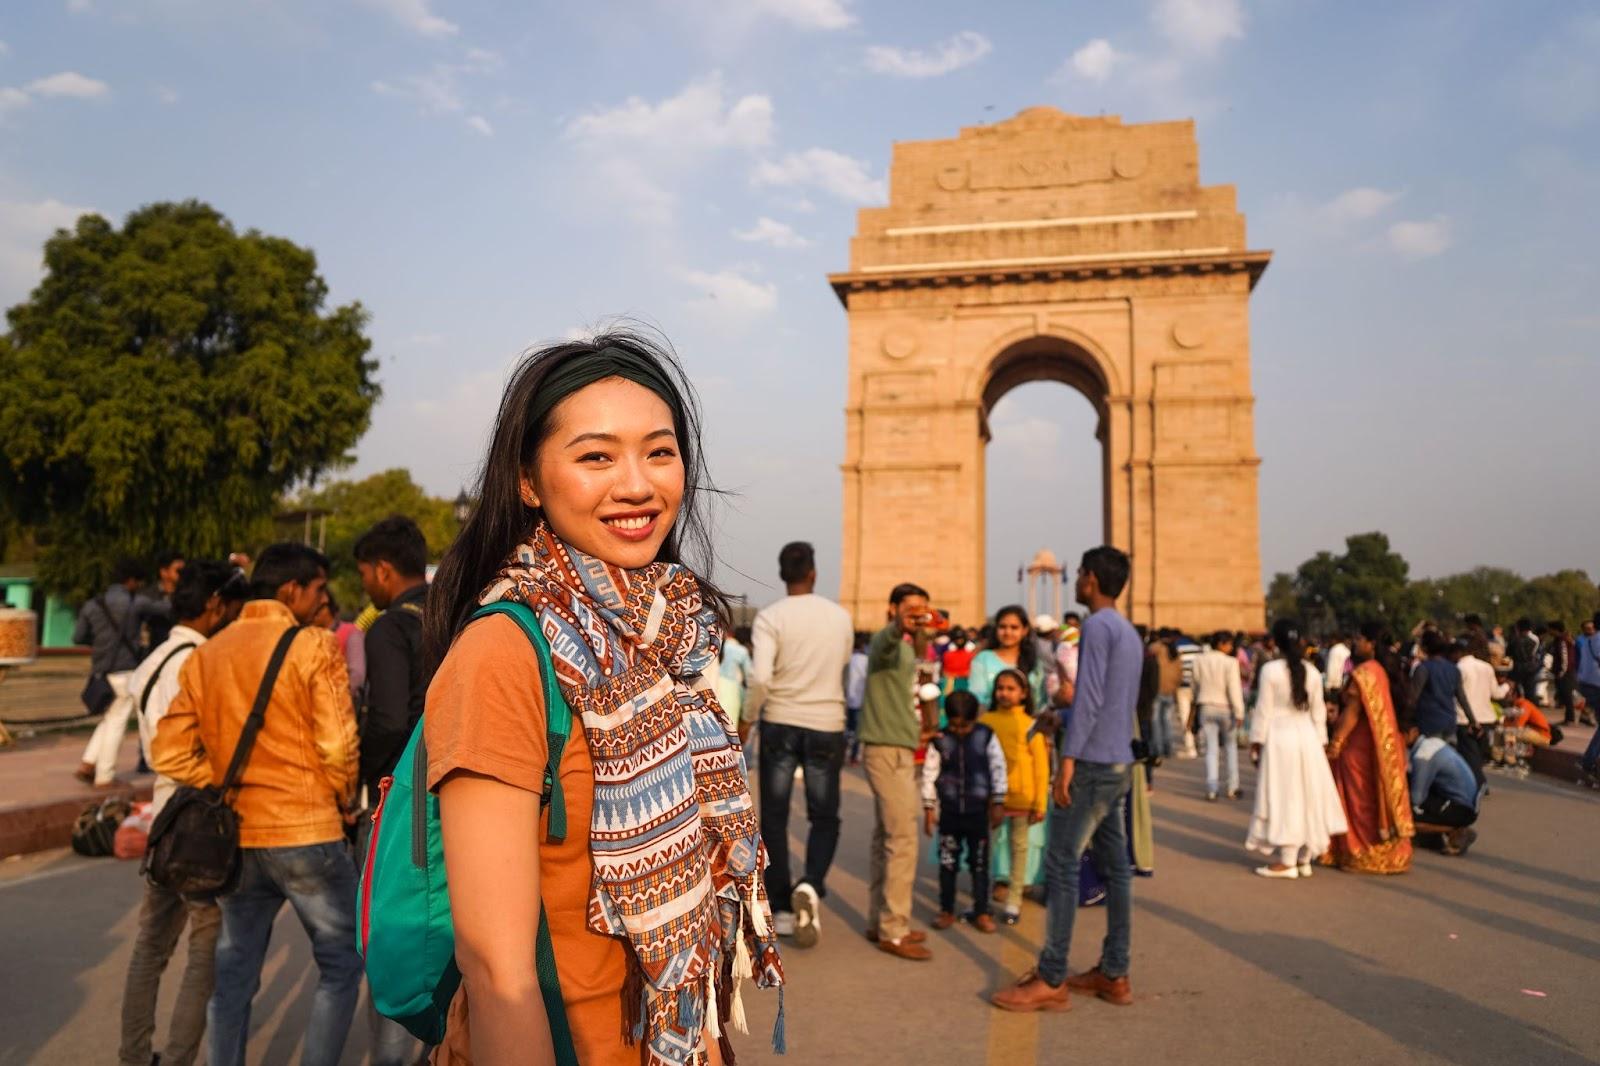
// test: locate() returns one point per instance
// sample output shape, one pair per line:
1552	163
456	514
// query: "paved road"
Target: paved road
1425	968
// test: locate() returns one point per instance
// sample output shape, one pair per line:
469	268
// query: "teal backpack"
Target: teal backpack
403	926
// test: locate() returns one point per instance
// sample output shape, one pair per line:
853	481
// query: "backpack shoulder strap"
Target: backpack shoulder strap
150	686
252	724
558	716
558	726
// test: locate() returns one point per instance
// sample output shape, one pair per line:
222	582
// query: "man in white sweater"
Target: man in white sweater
802	644
1219	696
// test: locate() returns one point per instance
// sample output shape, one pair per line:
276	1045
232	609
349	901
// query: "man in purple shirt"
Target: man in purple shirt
1090	793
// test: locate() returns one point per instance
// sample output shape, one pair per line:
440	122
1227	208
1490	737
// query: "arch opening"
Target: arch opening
1046	476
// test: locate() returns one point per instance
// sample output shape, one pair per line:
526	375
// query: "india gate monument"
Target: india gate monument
1054	247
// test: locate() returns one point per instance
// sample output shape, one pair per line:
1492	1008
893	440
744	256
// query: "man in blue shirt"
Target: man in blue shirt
1588	652
1444	794
1090	793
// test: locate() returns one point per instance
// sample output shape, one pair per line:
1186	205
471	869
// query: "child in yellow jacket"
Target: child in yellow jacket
1027	775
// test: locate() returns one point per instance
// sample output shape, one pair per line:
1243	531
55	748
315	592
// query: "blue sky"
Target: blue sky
487	175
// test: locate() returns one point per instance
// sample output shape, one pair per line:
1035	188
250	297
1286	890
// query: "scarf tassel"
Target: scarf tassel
634	1004
741	970
780	1043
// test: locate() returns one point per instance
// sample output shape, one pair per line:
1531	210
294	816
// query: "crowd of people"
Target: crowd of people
187	661
1365	745
1029	747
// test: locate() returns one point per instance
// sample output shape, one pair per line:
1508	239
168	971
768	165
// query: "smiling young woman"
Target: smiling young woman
591	497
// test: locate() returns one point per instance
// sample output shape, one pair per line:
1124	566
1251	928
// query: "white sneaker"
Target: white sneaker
783	923
1289	874
1304	869
807	916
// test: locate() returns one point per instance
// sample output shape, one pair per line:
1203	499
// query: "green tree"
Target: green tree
165	383
354	506
1367	581
1281	601
1568	595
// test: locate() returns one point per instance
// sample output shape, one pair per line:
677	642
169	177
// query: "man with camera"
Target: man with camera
894	724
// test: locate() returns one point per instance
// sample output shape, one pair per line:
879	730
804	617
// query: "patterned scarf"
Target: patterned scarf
674	836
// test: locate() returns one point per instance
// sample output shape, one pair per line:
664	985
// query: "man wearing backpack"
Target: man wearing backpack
393	558
201	603
109	624
293	801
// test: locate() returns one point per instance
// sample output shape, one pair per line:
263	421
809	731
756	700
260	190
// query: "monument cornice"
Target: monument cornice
1050	269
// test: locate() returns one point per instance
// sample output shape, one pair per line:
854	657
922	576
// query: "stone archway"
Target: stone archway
1054	247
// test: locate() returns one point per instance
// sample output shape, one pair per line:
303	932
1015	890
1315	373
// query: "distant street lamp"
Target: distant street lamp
463	507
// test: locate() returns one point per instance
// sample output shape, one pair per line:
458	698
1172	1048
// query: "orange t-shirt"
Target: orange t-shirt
486	714
1528	716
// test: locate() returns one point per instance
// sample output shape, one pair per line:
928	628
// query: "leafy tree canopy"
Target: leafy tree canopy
1368	581
165	383
355	506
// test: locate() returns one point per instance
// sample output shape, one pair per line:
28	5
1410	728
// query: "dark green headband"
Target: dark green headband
581	371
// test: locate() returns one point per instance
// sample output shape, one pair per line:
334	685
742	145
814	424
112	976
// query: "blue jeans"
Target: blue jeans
1591	696
1216	725
1099	793
1161	725
820	757
319	882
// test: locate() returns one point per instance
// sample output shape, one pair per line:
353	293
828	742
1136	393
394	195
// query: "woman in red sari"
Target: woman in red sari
1368	756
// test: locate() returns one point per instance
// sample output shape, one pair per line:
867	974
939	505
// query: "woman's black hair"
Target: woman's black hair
1021	679
1292	646
1383	654
1028	650
500	520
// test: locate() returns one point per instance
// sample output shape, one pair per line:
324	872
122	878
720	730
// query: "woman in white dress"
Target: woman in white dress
1297	806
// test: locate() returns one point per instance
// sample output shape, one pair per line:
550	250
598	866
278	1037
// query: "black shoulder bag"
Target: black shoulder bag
194	843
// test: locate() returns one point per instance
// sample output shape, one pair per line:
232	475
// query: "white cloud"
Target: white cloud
772	232
638	152
730	297
825	169
415	15
1199	25
436	92
24	227
166	94
1095	60
1355	205
699	117
1419	240
808	14
961	50
481	125
68	83
13	99
79	5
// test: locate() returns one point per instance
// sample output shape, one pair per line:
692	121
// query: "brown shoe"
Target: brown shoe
1032	993
85	773
916	936
983	923
906	948
944	920
1113	990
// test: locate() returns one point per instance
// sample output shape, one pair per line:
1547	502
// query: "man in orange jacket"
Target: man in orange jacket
293	801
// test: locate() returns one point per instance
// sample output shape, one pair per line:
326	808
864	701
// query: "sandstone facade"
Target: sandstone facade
1064	248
